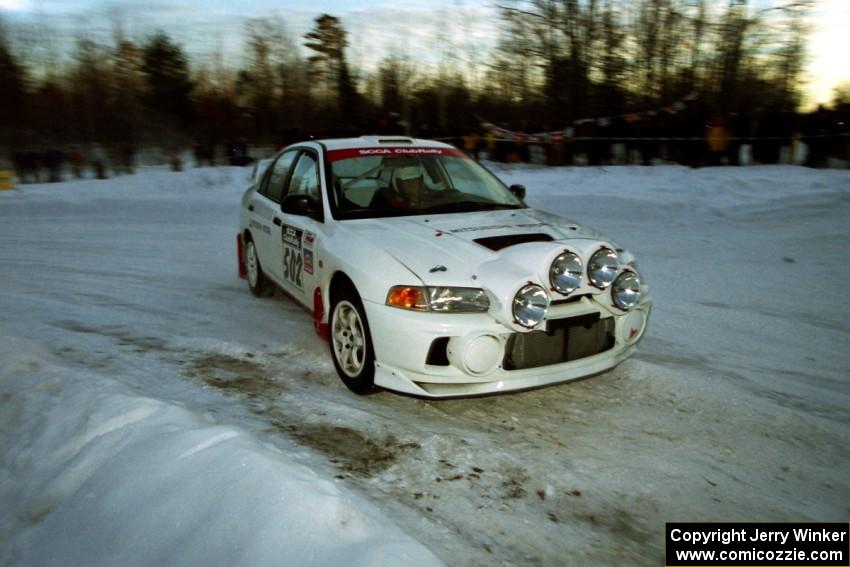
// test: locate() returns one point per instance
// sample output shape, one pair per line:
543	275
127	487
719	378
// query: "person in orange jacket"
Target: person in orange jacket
717	138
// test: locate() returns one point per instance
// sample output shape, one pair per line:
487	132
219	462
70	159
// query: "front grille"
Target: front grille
564	340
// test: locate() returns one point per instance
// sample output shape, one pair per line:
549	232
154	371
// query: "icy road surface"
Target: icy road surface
126	332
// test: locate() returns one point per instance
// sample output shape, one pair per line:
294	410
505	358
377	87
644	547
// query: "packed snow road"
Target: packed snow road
737	406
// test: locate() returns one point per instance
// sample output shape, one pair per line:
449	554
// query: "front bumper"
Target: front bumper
403	339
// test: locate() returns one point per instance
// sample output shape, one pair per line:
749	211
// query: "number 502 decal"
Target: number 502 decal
293	262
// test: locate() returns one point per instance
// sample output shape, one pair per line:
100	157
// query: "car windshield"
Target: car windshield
382	182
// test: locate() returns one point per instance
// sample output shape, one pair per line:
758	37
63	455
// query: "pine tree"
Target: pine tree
168	83
328	64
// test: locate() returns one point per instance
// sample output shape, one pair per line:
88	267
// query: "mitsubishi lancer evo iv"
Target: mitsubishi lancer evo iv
430	276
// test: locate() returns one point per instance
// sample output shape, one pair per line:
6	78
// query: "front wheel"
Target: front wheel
351	345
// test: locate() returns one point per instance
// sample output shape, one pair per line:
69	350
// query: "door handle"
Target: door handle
276	221
251	208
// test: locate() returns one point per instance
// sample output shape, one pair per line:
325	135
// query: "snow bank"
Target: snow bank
94	474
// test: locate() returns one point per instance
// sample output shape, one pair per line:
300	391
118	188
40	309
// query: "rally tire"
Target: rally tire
258	283
351	342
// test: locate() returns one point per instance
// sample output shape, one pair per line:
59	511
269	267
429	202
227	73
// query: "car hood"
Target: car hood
442	249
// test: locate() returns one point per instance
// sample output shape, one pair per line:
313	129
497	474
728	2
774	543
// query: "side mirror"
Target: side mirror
301	205
518	191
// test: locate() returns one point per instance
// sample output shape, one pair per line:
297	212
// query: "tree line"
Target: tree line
552	62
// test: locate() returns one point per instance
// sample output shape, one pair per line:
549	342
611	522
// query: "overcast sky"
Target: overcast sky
405	26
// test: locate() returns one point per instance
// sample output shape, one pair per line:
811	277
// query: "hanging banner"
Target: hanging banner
603	121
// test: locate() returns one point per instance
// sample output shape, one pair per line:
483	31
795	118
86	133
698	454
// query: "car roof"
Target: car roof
378	141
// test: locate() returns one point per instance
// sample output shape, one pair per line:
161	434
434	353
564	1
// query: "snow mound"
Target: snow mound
97	475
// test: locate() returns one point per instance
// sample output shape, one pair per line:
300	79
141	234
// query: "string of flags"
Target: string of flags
568	132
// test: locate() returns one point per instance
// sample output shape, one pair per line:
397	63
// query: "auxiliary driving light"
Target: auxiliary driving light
565	272
626	290
530	305
602	267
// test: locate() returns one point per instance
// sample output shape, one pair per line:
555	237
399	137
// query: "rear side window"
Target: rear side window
273	187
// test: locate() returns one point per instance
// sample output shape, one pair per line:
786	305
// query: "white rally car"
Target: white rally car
429	276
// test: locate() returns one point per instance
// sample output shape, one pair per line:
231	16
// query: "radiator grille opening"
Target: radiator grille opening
564	340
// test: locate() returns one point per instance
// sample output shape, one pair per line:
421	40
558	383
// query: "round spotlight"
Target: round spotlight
530	305
565	272
626	290
602	267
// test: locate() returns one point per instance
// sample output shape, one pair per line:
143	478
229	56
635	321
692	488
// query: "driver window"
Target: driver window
273	188
305	178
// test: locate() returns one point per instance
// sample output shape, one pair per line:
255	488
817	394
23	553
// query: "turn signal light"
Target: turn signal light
407	297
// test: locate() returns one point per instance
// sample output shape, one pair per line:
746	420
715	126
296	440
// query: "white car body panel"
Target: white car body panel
440	250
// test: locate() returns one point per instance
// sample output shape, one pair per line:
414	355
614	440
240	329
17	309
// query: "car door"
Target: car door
264	209
298	233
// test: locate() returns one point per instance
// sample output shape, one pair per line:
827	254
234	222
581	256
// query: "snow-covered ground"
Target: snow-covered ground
153	412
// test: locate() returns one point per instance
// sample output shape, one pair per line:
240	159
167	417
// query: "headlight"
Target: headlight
440	299
565	272
458	299
602	267
530	305
626	290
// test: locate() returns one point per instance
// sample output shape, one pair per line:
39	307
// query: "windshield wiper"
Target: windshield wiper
378	212
465	206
